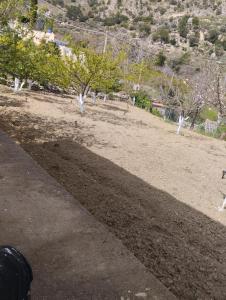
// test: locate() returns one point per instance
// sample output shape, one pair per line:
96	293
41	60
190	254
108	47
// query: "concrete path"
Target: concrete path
73	256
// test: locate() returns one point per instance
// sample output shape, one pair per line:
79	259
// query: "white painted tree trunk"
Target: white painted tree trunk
221	208
180	124
16	85
81	103
22	85
134	101
30	82
94	98
219	119
105	98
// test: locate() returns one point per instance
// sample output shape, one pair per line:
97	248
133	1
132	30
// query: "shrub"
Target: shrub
142	100
115	19
182	26
161	34
208	113
219	49
160	59
155	112
173	42
213	35
194	40
177	62
74	12
145	29
195	22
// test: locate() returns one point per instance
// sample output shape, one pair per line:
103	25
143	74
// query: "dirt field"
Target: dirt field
158	192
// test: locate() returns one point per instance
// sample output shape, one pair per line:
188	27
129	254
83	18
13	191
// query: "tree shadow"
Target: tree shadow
11	102
182	247
53	99
113	108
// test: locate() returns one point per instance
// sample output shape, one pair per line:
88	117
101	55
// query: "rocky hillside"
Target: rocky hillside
134	8
182	30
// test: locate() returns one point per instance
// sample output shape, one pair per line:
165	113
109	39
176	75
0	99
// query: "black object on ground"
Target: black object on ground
15	275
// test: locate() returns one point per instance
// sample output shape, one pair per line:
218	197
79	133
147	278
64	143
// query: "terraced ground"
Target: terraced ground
156	191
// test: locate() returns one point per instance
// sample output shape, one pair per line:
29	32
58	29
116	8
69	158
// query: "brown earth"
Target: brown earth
156	191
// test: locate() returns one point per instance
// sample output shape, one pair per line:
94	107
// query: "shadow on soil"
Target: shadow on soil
11	102
182	247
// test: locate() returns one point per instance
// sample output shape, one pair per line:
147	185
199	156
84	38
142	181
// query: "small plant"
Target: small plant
155	112
208	113
183	26
160	59
142	100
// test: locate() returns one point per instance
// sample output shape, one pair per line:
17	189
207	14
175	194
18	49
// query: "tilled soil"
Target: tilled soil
182	247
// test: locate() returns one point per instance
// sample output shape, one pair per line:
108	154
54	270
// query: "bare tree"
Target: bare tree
218	86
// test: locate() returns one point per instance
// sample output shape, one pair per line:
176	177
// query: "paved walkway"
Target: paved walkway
73	256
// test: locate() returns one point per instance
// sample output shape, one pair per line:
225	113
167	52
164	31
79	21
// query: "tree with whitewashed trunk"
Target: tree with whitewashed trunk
26	62
94	71
208	88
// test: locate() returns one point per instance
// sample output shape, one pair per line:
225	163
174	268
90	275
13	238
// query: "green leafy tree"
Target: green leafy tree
91	70
9	9
24	60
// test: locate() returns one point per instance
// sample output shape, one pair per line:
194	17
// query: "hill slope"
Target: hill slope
158	192
174	27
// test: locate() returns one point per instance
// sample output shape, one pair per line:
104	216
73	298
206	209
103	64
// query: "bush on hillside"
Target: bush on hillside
115	19
212	36
160	59
208	113
74	12
162	34
183	26
142	100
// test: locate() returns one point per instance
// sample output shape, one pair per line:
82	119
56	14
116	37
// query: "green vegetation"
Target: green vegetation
162	34
33	12
142	100
24	60
183	26
115	20
160	59
208	113
94	71
87	69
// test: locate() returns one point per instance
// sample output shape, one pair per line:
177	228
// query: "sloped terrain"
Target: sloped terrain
156	191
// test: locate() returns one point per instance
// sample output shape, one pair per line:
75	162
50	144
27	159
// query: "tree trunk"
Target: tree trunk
22	85
219	96
81	103
30	82
16	84
94	98
180	123
194	119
